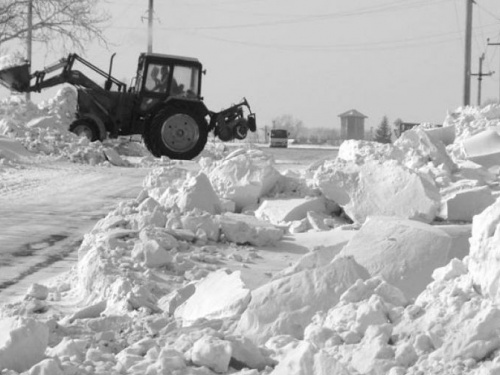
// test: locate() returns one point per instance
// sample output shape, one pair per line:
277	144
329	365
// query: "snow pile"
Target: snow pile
22	343
15	113
243	176
43	130
416	178
469	121
62	106
286	305
415	249
375	188
161	282
8	61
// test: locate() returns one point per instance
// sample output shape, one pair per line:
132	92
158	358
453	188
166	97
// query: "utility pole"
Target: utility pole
150	27
468	49
495	44
29	41
480	76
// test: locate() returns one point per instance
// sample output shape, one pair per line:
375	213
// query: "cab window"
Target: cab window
185	81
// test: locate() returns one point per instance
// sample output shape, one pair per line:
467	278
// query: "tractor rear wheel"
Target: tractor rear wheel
85	127
178	133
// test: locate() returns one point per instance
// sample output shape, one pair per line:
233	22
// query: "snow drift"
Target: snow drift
159	287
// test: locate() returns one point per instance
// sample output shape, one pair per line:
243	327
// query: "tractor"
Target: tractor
163	103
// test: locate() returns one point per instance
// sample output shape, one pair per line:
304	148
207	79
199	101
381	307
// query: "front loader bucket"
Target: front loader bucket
16	78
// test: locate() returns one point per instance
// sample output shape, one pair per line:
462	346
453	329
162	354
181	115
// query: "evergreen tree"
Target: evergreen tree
383	132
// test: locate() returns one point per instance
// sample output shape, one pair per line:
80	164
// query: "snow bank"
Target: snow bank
43	130
152	291
483	260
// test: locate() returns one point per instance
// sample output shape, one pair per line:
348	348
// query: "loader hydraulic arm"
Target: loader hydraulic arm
74	77
18	78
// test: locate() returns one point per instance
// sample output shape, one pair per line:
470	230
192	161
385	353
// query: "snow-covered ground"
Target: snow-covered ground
370	259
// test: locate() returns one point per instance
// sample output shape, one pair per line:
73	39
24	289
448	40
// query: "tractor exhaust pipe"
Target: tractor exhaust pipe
109	82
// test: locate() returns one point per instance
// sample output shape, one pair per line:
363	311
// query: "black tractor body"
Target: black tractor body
163	104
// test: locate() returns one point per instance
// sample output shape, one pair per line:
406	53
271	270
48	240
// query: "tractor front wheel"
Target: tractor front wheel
85	127
178	133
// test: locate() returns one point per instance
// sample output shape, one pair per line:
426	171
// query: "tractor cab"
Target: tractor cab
162	76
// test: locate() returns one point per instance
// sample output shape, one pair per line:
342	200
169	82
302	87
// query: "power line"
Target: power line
394	5
314	17
387	44
480	6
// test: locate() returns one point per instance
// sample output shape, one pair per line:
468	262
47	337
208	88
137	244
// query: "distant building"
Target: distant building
352	125
405	126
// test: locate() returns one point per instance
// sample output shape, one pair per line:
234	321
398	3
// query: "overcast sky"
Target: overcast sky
314	59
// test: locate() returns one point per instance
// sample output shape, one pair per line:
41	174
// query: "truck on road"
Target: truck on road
279	138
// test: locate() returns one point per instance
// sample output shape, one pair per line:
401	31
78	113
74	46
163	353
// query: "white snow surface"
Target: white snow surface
182	278
8	61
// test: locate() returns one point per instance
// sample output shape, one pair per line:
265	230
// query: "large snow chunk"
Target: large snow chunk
69	347
320	255
173	300
22	343
444	134
243	177
44	122
12	149
281	210
248	354
359	151
420	147
464	204
286	305
48	366
374	352
198	193
305	359
375	188
113	157
219	295
155	255
403	252
202	222
477	338
484	148
484	262
212	352
243	229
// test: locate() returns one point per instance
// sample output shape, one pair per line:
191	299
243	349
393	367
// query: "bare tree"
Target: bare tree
72	23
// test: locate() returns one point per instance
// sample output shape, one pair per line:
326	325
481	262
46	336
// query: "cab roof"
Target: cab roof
170	57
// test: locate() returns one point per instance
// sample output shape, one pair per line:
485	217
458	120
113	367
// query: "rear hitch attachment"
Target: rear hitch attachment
231	123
